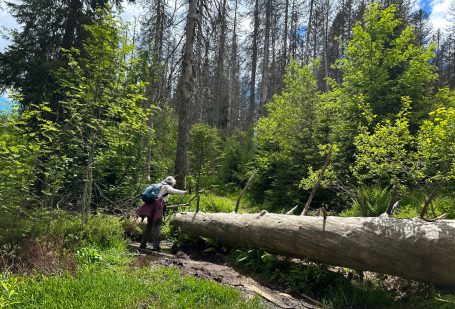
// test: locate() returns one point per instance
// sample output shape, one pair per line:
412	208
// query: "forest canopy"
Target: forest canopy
352	114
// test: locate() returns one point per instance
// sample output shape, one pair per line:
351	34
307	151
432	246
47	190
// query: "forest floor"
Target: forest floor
219	269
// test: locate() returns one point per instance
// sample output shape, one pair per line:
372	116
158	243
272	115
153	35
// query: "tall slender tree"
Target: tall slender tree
181	160
254	59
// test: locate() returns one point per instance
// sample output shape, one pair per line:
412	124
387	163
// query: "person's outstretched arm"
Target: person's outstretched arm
170	190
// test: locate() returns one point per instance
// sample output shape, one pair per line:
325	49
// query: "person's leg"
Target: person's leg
147	232
156	237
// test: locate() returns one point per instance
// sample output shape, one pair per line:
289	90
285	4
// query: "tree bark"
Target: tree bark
252	102
294	25
285	38
411	249
309	32
233	93
220	100
326	45
88	181
265	60
181	160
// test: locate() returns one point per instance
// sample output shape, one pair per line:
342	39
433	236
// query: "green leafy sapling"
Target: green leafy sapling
435	155
383	156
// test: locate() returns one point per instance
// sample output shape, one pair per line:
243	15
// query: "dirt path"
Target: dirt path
223	274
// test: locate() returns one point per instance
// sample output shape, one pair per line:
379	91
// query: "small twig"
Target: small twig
311	299
441	217
318	181
395	207
291	212
430	199
177	206
237	205
390	209
393	197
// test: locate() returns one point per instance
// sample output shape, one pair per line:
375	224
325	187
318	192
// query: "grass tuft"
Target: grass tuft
115	287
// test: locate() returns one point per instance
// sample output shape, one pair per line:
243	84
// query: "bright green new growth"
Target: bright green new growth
384	155
116	287
383	64
287	138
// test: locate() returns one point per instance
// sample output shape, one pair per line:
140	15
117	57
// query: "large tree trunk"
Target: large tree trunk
220	100
309	32
265	60
411	249
252	101
181	160
285	39
233	92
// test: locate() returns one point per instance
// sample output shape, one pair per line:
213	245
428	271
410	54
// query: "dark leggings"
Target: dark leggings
152	229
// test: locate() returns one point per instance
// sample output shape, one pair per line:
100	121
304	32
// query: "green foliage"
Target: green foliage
128	288
436	146
368	201
442	301
344	294
204	152
378	100
90	146
164	140
237	154
384	156
8	290
46	26
213	203
88	256
412	202
285	138
313	279
20	148
383	64
103	113
99	231
391	155
297	278
444	205
321	178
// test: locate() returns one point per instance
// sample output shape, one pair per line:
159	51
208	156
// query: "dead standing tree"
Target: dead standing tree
181	160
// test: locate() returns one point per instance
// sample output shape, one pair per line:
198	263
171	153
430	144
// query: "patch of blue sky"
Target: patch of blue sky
301	30
425	5
7	22
5	104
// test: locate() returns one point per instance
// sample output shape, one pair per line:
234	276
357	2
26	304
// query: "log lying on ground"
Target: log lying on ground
410	249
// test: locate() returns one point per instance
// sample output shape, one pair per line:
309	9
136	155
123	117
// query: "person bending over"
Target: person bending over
154	211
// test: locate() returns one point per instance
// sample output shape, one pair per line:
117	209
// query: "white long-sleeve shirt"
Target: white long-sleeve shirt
167	189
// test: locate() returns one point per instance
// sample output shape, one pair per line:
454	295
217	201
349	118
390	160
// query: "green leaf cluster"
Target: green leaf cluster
93	143
383	120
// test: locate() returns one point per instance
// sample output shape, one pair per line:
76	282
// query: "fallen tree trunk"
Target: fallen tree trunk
412	249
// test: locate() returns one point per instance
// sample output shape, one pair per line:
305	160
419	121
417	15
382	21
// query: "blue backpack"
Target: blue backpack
151	193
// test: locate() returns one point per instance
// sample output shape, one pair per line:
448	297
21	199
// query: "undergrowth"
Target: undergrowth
212	202
69	263
312	279
372	201
120	287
